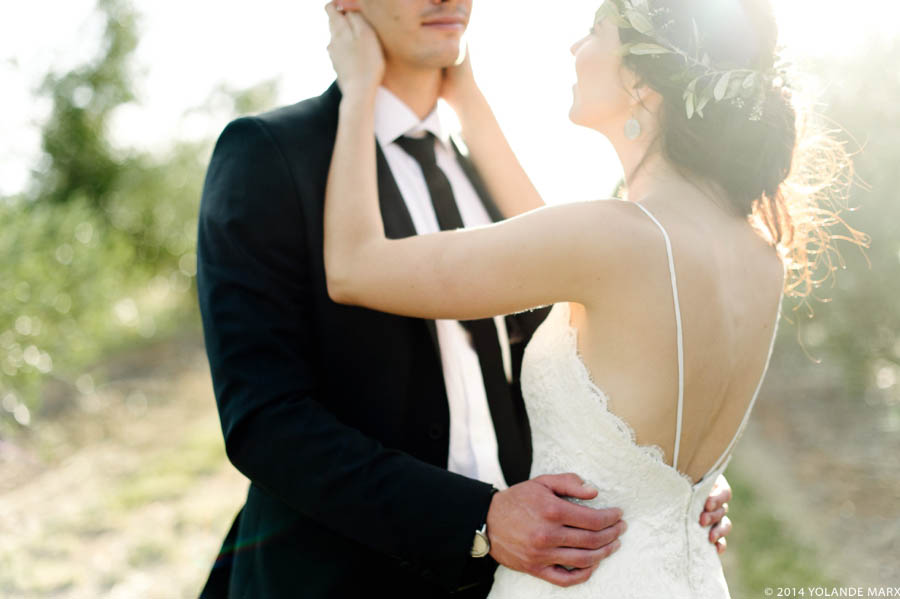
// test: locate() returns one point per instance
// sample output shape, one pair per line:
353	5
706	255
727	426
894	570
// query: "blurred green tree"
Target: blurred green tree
81	160
858	329
99	252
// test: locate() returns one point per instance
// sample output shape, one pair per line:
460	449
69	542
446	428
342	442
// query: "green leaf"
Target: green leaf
609	10
748	89
625	49
734	88
613	11
722	86
691	87
703	102
640	22
690	106
644	49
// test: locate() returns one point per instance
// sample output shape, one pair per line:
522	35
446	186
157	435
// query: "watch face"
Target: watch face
480	546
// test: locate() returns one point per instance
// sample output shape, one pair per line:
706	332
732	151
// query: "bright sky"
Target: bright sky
520	49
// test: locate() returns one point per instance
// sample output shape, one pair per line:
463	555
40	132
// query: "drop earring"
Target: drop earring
632	128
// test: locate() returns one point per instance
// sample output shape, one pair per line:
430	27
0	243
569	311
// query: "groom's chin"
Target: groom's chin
442	51
444	59
574	114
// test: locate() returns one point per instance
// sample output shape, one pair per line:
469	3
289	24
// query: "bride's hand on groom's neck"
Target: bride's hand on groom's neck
458	87
355	52
534	530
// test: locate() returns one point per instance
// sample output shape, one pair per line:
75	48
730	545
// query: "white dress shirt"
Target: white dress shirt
473	440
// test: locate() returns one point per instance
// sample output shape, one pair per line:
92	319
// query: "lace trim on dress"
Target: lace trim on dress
654	452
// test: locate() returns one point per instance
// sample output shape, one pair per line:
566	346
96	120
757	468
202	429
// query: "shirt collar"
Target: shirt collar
393	119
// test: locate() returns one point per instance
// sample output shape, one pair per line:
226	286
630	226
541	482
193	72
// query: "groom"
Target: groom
375	444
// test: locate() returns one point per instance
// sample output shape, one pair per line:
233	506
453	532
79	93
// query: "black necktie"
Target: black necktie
422	149
483	331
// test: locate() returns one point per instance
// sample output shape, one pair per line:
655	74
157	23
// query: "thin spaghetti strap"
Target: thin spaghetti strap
678	335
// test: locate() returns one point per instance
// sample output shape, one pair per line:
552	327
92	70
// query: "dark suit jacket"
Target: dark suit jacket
338	415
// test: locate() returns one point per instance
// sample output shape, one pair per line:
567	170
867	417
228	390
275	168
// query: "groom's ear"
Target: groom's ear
348	5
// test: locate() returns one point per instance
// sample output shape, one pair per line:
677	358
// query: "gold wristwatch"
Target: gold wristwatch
481	546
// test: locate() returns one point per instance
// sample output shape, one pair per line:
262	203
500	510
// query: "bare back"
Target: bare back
729	284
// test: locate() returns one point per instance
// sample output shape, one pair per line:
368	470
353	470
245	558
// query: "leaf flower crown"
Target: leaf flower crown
703	82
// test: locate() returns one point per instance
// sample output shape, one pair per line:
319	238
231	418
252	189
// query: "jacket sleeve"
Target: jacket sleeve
254	293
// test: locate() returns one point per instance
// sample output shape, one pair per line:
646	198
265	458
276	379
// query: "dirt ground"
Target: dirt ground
125	491
128	496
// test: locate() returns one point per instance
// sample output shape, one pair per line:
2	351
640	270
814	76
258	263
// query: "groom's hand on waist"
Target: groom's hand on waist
534	530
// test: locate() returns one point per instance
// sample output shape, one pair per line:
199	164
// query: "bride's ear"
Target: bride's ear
646	97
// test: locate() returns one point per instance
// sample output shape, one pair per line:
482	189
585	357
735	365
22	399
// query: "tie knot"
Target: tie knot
420	148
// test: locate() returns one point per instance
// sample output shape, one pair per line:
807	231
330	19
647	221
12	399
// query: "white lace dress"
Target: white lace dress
665	553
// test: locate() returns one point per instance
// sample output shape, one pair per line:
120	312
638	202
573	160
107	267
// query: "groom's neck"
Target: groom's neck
418	88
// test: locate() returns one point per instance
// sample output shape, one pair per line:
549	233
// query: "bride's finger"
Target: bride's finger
336	19
357	23
707	518
718	532
331	11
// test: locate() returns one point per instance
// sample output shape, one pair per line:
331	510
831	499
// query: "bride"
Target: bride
665	305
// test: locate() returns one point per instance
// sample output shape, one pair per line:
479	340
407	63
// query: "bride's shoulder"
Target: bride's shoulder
597	213
593	241
602	225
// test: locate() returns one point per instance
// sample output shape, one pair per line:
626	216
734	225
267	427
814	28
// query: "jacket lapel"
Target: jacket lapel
462	156
395	215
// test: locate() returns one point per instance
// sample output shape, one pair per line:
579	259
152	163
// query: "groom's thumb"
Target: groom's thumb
569	485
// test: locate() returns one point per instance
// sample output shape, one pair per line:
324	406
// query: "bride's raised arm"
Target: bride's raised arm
559	253
506	180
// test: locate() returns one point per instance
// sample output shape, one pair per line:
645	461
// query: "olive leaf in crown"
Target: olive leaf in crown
702	82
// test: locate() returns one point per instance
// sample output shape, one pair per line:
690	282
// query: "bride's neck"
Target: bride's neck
647	172
418	88
658	177
649	177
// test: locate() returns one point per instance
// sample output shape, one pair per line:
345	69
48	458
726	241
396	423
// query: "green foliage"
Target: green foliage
79	285
767	554
736	85
81	162
99	253
857	330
